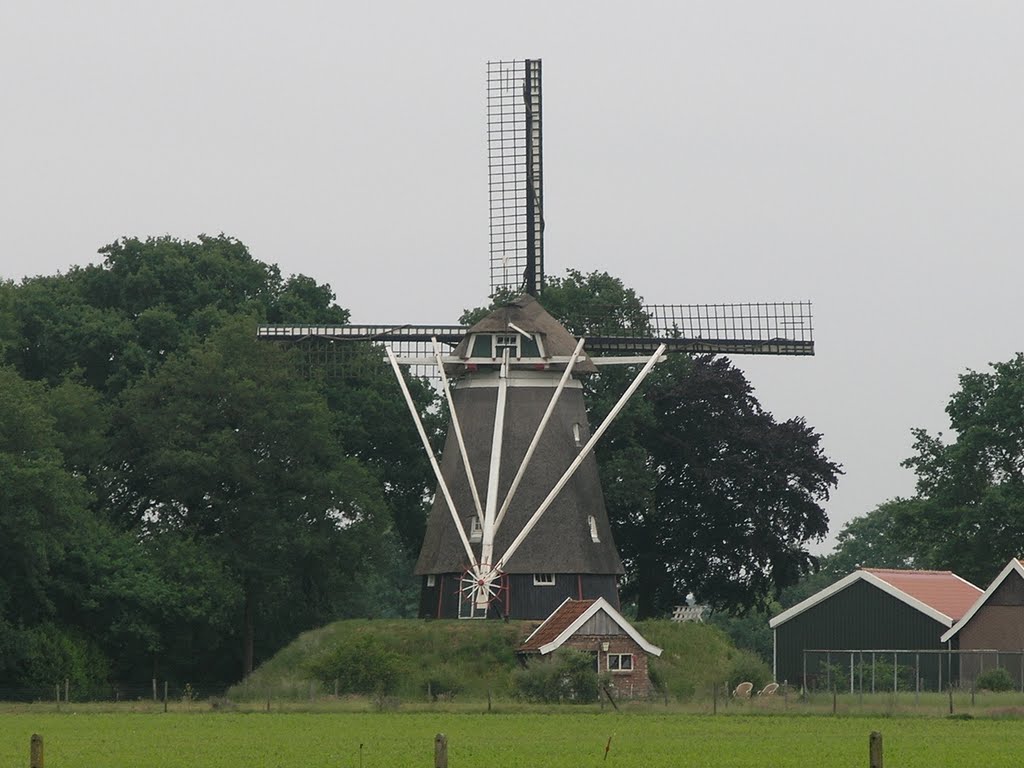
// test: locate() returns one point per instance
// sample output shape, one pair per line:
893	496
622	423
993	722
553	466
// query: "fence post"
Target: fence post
440	751
875	749
165	695
154	689
714	698
951	698
36	752
67	691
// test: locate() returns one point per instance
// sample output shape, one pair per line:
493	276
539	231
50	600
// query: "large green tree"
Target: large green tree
968	513
109	345
225	444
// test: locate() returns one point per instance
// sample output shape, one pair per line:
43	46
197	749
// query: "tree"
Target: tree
707	493
875	540
968	512
226	446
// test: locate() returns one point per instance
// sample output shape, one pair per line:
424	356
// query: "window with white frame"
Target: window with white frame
504	341
543	579
620	662
431	579
476	531
577	435
593	529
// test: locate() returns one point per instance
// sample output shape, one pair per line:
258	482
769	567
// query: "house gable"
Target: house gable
582	617
1007	589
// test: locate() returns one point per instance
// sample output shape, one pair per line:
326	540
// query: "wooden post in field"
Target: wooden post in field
714	698
875	749
951	698
67	691
165	695
440	751
36	752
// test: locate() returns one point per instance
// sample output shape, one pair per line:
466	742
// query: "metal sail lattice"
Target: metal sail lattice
515	176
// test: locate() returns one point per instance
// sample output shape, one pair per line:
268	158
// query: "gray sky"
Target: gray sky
868	156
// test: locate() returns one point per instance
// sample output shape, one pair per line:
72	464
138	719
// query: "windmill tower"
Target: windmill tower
518	522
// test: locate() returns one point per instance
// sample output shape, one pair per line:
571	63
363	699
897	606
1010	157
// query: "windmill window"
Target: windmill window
476	532
593	529
504	341
620	662
543	579
430	579
577	435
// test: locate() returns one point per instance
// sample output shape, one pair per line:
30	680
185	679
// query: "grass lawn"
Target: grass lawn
537	740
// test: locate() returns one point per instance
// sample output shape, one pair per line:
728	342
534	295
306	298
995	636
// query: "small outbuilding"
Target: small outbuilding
994	623
595	627
872	609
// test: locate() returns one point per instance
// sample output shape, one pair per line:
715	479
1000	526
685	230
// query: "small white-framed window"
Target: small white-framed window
476	531
543	579
593	529
503	341
577	435
431	580
620	662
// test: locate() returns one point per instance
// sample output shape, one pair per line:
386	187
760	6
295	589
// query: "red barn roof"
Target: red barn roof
941	595
942	590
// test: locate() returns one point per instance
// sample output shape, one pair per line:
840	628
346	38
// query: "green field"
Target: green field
568	738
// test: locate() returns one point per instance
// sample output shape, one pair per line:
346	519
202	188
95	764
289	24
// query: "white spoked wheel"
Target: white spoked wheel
483	588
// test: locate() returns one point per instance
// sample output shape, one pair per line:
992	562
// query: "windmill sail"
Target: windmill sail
515	176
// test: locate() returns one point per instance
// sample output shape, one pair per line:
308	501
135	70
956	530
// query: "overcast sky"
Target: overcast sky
867	156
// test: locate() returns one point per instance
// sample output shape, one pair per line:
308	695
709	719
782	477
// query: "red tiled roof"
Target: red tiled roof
555	624
942	590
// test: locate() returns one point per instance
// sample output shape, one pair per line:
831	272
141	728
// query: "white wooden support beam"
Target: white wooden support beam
566	374
535	518
458	430
433	460
494	473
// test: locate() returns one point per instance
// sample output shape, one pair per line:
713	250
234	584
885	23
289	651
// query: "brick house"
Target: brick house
595	627
994	623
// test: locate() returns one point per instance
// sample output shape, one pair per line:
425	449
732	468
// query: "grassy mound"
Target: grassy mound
417	660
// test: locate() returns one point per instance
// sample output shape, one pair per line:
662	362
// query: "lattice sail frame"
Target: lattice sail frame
515	176
767	328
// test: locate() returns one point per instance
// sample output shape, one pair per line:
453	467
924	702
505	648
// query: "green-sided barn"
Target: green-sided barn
872	610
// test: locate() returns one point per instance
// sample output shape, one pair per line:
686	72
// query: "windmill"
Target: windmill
518	522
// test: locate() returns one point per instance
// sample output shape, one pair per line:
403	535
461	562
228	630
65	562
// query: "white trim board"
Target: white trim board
1012	566
874	581
600	604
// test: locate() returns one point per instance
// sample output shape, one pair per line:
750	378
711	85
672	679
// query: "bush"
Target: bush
361	666
838	676
568	676
997	679
52	654
440	683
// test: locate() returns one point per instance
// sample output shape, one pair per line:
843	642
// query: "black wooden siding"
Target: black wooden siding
859	617
524	600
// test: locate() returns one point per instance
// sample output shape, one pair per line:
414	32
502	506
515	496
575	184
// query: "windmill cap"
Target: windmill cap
526	314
